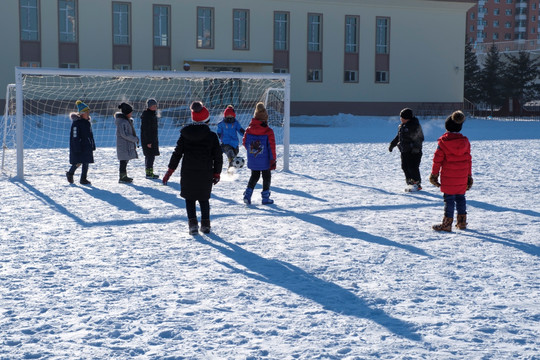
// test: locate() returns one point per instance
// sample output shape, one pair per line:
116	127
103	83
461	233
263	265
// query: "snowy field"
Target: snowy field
344	265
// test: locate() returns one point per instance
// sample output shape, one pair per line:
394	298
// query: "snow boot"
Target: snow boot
69	177
247	195
85	182
461	222
150	174
266	197
446	225
205	226
193	226
124	179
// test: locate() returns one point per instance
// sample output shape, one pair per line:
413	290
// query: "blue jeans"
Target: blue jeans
452	202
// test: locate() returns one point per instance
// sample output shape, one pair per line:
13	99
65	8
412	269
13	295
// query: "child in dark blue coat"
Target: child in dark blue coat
228	130
81	143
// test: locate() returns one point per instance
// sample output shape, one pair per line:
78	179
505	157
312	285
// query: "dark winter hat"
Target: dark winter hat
406	114
82	107
151	102
125	108
198	112
454	122
229	112
260	112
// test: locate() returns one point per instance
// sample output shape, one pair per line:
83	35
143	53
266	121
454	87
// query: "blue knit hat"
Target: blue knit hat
82	107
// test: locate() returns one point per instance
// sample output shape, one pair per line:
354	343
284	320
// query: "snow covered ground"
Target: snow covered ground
344	265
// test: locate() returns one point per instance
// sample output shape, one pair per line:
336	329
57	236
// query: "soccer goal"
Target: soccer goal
42	99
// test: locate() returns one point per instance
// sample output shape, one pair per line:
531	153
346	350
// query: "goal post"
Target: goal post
45	97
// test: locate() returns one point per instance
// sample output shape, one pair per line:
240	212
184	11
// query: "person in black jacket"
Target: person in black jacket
81	143
201	166
409	141
149	137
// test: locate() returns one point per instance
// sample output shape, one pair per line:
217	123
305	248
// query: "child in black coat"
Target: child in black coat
81	143
198	148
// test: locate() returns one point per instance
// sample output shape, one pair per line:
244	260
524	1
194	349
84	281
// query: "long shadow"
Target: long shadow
297	193
160	195
47	200
346	230
288	276
496	208
115	199
526	248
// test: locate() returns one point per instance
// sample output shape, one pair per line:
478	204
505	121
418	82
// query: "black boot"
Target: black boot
124	179
85	182
69	177
193	226
205	226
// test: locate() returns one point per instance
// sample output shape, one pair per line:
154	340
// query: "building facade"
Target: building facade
344	56
510	24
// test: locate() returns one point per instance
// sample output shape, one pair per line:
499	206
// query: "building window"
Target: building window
351	76
67	17
382	36
507	36
314	32
33	64
495	36
162	67
29	21
497	11
161	25
240	29
473	16
351	34
281	31
496	23
497	1
205	28
314	75
508	24
121	26
508	11
280	71
69	66
381	76
509	1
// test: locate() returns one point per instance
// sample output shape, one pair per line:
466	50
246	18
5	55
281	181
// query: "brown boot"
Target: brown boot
445	226
205	226
193	226
461	222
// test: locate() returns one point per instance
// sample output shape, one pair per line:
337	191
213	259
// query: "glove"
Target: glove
434	179
391	147
167	176
215	179
469	182
273	165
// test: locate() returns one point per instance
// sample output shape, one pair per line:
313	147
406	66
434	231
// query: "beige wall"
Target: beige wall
426	44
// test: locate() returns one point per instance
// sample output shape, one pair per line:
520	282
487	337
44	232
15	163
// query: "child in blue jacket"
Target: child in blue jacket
260	143
228	130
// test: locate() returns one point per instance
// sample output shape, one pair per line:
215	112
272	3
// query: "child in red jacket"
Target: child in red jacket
453	160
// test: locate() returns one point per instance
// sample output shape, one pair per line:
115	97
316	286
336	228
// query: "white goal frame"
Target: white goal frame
20	72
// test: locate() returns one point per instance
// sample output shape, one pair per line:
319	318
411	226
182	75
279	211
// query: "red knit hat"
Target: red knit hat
198	112
229	112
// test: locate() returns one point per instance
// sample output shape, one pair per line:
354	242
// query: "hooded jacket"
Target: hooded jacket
228	132
260	143
410	137
454	162
126	138
81	141
198	148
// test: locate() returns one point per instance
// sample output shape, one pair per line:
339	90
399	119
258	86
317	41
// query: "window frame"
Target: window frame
382	41
240	25
158	39
279	31
29	31
352	48
314	33
74	33
202	27
117	36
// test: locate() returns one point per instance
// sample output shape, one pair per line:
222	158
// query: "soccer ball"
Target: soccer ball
238	162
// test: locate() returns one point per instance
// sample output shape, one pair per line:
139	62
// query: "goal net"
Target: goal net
38	107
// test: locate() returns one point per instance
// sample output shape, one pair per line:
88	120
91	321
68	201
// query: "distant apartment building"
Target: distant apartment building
510	24
344	56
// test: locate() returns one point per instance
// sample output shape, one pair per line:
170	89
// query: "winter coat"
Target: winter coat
149	132
199	149
81	141
228	132
260	143
453	159
410	137
126	138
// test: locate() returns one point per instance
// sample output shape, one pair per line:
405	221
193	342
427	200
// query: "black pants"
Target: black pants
192	211
84	170
123	166
149	161
410	164
256	175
